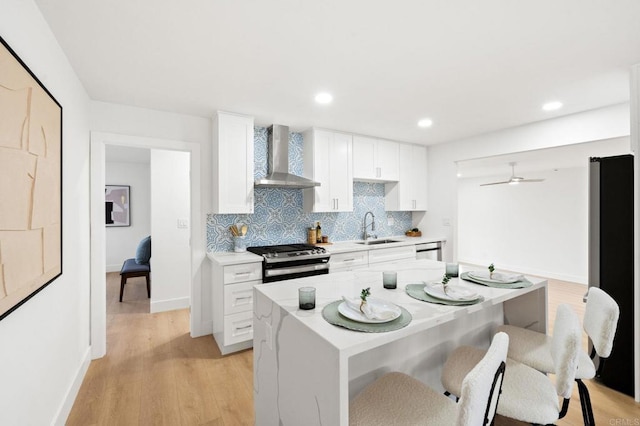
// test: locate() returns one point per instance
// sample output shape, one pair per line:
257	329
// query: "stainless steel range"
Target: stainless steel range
284	262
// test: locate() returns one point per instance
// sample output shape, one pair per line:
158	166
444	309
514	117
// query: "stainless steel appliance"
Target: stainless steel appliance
431	251
278	162
284	262
611	257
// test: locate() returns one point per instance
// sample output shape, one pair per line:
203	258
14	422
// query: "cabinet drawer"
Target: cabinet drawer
238	328
392	254
242	273
239	297
348	261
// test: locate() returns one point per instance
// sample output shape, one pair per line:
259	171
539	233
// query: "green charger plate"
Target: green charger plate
332	316
523	283
417	292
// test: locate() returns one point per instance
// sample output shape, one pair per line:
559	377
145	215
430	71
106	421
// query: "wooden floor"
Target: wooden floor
155	373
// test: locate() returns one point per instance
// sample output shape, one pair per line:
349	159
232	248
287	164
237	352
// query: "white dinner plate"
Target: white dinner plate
377	304
454	293
498	277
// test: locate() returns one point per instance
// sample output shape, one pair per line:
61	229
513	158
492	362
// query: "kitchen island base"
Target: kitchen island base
306	370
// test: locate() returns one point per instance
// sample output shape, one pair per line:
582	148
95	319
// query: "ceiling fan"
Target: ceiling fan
513	180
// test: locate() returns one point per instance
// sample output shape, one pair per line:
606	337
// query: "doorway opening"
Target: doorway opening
165	197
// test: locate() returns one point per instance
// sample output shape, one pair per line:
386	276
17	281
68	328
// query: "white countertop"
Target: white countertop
331	287
348	246
223	258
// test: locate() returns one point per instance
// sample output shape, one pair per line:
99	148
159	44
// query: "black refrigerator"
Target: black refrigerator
611	257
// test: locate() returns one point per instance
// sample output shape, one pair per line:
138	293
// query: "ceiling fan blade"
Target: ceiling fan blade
495	183
532	180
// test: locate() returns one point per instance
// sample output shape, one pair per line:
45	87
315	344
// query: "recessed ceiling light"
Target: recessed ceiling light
425	122
324	98
552	106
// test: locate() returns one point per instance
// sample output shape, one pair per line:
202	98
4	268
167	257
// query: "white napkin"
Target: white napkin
453	293
371	311
498	276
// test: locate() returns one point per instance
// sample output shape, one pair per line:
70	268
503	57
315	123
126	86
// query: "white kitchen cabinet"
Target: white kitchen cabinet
232	303
410	192
349	261
391	254
328	160
232	163
375	159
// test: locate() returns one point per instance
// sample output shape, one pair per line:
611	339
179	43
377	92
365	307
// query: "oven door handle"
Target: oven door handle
296	269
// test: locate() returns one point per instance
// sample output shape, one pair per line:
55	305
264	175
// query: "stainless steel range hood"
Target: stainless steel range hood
278	163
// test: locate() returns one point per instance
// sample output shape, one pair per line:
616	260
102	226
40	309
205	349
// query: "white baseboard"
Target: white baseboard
113	268
72	392
169	305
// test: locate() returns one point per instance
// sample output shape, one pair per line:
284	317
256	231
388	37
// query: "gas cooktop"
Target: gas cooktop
287	251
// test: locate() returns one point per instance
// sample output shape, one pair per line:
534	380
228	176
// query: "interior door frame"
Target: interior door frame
98	306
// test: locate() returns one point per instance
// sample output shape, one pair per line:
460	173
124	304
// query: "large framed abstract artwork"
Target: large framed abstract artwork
30	183
117	205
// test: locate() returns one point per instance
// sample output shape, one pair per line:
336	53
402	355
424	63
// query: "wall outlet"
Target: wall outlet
446	222
390	221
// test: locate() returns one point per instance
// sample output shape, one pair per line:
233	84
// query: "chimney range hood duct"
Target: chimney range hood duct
278	163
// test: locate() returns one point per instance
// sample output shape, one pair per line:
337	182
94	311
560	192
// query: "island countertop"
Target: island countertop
340	362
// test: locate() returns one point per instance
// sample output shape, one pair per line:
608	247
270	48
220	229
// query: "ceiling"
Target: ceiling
471	66
537	162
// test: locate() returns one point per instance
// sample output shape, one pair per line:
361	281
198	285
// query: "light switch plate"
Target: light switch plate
183	223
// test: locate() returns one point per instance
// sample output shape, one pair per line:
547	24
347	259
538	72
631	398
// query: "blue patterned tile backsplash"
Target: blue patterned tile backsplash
279	218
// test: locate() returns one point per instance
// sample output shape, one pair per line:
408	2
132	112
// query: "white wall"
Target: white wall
535	228
122	241
604	123
45	342
169	240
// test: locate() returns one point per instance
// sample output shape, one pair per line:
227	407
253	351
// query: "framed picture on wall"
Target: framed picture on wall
30	183
117	205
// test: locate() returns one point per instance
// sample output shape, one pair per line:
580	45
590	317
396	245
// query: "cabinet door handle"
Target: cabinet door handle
349	260
244	327
243	298
242	273
337	203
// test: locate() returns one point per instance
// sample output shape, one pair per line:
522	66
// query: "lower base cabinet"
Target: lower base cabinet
392	254
350	261
232	303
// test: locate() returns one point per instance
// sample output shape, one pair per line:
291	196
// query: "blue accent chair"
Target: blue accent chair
138	266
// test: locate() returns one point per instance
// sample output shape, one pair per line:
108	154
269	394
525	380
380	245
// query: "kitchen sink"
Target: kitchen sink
376	242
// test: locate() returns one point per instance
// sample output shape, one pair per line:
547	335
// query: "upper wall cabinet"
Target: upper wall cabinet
232	163
328	160
410	192
375	159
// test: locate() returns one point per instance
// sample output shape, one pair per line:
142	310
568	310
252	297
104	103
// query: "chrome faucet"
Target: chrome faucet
367	235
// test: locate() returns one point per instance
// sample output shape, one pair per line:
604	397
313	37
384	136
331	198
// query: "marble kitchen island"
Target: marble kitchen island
306	370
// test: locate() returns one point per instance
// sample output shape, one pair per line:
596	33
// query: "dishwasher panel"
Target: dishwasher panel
431	251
